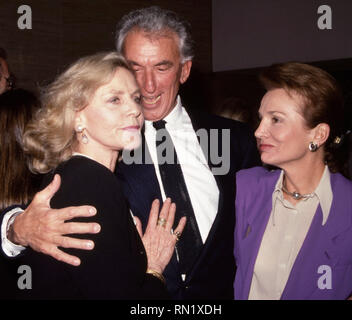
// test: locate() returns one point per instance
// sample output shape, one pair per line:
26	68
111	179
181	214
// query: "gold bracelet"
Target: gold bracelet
156	274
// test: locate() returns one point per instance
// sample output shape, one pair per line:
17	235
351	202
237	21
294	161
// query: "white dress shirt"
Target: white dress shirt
201	185
9	248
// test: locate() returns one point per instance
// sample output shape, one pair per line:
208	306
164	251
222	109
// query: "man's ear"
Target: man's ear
185	71
321	133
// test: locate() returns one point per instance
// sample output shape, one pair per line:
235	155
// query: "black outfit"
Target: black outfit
116	268
212	275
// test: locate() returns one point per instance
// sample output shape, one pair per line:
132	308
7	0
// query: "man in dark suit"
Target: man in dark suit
158	47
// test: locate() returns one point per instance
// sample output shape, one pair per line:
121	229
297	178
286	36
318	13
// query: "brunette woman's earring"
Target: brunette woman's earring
313	147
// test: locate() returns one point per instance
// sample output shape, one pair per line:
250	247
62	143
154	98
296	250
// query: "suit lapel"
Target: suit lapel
143	186
254	227
199	123
320	247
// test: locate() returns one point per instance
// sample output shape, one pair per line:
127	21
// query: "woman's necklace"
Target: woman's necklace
296	195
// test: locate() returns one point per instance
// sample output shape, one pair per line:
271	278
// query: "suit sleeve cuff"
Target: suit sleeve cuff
10	249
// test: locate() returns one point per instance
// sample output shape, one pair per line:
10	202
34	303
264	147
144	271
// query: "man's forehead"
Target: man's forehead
160	34
142	47
154	36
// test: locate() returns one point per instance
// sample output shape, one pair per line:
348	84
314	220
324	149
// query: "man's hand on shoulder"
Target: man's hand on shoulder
44	229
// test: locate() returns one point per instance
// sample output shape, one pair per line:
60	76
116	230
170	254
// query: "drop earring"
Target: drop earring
80	129
84	138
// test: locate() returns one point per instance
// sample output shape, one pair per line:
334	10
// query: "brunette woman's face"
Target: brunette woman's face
282	136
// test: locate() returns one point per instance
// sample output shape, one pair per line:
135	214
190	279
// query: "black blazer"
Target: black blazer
116	268
213	274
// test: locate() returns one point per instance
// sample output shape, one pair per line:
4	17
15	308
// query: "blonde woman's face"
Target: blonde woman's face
113	119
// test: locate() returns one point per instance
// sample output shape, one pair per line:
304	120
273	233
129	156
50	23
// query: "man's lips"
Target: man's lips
151	100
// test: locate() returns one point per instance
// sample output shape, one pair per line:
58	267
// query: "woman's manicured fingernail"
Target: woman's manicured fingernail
97	228
90	245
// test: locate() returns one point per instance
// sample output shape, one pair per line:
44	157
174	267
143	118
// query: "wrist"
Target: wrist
155	267
156	274
12	232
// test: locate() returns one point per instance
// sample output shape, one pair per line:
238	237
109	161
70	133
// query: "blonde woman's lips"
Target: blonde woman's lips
132	128
152	100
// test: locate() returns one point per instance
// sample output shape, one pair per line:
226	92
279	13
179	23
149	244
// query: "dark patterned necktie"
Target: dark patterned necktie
190	243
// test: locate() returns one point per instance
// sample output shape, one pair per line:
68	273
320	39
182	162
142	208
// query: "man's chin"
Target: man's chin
152	115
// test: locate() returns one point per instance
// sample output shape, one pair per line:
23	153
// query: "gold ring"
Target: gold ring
161	222
178	235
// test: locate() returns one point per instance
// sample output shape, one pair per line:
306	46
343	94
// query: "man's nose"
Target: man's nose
149	83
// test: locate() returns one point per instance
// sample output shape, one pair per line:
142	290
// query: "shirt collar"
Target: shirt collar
323	193
173	119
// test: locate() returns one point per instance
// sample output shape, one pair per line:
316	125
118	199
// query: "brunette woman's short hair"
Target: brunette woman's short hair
322	102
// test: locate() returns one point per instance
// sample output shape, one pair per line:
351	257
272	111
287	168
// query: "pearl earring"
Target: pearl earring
79	128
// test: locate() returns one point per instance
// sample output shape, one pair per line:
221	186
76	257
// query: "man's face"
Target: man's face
4	74
156	62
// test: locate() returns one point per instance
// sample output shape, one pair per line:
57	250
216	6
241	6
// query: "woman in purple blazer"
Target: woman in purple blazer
293	236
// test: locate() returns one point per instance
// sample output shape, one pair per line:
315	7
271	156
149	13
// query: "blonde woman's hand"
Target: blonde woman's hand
159	239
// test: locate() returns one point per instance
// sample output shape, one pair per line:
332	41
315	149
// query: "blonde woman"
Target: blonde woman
90	114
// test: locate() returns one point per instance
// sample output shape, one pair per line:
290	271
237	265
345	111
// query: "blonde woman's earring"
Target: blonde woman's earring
84	138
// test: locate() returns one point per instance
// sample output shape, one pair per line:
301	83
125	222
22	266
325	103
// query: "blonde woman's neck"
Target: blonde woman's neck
105	157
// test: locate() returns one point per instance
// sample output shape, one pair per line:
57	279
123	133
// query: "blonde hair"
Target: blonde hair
50	137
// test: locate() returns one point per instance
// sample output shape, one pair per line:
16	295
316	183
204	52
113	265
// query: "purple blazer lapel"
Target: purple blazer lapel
322	247
256	219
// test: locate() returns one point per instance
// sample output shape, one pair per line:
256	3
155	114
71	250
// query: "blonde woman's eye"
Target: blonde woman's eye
137	99
114	100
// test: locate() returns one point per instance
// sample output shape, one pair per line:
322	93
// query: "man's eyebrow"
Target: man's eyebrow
161	63
133	63
165	63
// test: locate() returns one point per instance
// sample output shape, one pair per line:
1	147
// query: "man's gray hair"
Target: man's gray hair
155	20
